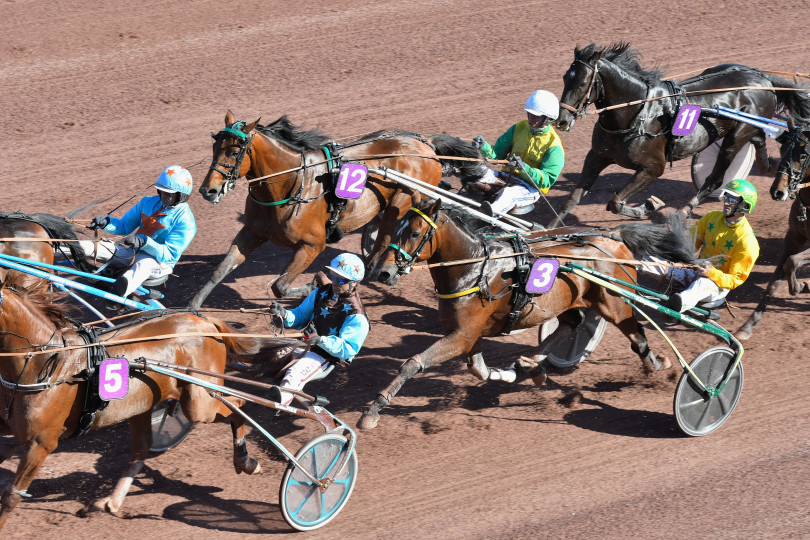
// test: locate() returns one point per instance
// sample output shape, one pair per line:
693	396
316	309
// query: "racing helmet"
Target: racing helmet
543	103
175	179
746	190
349	266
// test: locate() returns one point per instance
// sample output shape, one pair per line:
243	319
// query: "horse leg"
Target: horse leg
242	246
140	439
482	372
242	463
450	346
764	164
631	328
793	263
33	456
640	181
591	169
304	255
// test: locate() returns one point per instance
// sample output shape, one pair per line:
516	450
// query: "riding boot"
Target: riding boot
118	288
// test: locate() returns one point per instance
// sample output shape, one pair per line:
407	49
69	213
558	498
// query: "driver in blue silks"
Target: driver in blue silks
163	227
334	323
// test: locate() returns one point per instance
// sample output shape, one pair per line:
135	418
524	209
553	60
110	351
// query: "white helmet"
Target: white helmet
543	103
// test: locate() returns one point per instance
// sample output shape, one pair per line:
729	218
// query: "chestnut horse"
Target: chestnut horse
295	206
792	181
37	227
639	137
484	297
43	392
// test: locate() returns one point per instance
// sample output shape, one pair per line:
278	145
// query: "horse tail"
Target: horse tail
466	170
671	242
798	103
239	346
59	228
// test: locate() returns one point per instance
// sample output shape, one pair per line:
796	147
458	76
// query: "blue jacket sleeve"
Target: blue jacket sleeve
300	316
169	249
128	223
349	340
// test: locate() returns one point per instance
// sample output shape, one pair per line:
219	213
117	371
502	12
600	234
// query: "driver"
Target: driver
163	227
535	154
334	322
727	245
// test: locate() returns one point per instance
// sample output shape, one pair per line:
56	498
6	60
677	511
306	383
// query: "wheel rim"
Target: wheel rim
168	430
573	345
696	413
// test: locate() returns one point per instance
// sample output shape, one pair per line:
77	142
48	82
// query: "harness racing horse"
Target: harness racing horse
792	181
37	227
44	386
639	136
486	297
295	206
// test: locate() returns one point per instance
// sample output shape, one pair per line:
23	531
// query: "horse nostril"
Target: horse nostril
384	277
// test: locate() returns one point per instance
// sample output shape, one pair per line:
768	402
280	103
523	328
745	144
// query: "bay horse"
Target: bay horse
296	208
792	180
485	298
38	227
43	392
639	136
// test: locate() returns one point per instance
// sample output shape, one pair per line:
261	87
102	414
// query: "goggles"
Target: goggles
340	280
731	199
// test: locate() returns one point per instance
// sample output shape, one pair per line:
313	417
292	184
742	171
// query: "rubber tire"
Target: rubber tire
296	490
691	404
168	430
566	353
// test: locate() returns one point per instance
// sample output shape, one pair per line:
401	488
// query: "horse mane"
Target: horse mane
293	136
623	56
41	299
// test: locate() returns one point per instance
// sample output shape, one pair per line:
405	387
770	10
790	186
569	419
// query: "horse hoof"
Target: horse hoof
538	375
742	335
248	466
368	421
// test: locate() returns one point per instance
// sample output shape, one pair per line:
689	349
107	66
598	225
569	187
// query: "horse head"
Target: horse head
231	158
794	163
415	231
580	86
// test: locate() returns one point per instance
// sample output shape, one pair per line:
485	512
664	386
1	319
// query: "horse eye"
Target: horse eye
234	154
415	234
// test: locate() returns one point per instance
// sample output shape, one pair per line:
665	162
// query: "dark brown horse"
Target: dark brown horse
38	228
486	297
639	137
295	206
43	392
793	173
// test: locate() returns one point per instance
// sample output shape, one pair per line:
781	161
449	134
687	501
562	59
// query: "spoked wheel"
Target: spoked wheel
698	414
169	426
568	345
369	236
303	504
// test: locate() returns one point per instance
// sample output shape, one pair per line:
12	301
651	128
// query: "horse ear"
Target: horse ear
435	207
229	118
250	127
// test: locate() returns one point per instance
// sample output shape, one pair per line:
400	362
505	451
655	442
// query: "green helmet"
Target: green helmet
746	190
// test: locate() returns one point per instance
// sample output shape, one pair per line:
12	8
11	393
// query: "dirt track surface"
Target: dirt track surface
98	100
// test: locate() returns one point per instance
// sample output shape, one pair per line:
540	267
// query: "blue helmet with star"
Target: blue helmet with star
174	179
349	266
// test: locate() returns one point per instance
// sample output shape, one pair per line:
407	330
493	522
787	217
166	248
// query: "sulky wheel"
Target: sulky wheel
698	414
169	426
566	344
302	503
703	163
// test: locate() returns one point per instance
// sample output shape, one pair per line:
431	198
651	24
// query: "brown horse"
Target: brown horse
793	172
43	393
37	227
295	206
486	298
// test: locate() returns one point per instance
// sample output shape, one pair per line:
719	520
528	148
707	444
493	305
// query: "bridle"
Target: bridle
230	171
585	100
796	139
405	260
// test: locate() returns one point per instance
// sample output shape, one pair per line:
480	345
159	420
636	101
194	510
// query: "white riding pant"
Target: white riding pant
516	193
696	287
310	367
143	266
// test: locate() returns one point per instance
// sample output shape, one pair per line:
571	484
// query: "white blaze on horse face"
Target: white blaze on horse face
402	225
